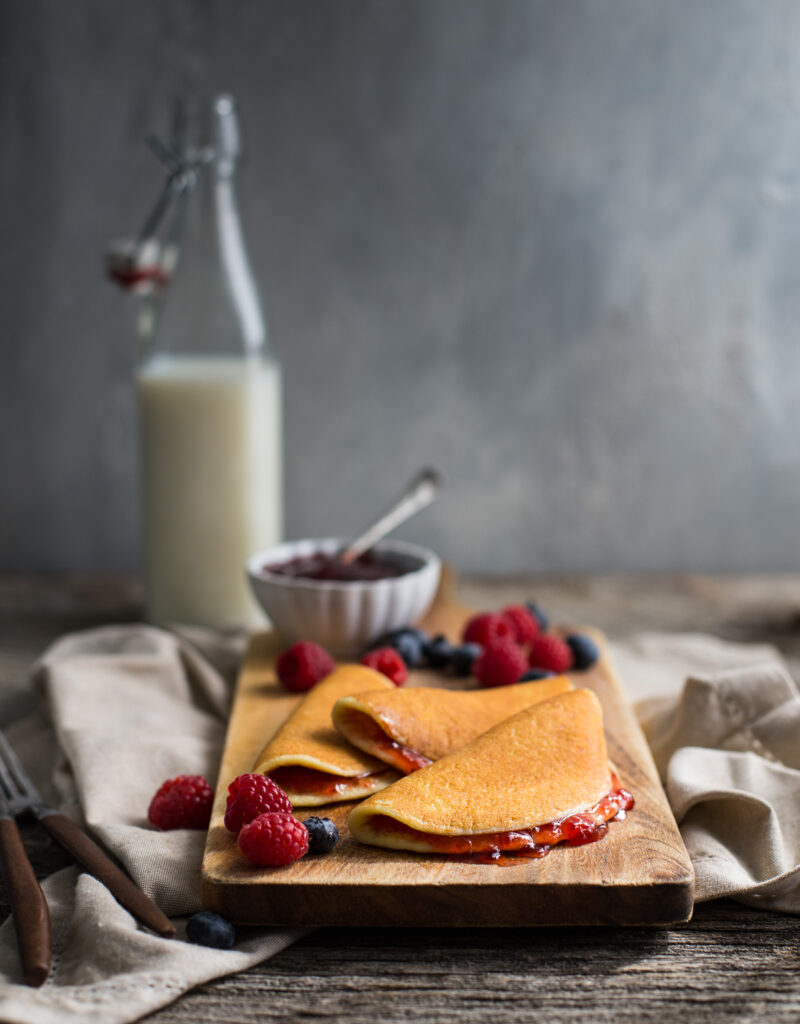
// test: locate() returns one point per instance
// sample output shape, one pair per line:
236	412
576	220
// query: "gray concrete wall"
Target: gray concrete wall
550	247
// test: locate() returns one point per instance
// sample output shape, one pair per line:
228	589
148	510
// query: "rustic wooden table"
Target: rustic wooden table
729	964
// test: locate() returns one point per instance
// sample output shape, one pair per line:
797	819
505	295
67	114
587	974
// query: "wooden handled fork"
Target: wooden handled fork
28	905
31	918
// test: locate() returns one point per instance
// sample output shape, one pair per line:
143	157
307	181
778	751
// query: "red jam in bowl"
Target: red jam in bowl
322	565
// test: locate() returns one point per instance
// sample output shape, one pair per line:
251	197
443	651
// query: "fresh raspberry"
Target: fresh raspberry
183	802
487	629
524	626
387	661
302	665
500	665
271	840
235	786
250	795
551	652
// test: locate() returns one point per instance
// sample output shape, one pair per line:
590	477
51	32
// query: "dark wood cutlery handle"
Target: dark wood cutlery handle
28	905
97	863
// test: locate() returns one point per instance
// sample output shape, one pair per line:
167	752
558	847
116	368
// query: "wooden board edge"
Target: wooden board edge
461	906
255	642
644	754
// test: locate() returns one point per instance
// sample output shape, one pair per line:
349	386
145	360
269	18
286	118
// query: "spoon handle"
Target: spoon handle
418	493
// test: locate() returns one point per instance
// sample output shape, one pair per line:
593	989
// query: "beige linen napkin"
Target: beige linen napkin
132	706
727	745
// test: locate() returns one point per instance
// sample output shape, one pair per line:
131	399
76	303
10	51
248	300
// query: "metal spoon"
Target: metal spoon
416	495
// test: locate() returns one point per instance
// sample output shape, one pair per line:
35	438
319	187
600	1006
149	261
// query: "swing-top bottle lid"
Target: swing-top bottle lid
226	139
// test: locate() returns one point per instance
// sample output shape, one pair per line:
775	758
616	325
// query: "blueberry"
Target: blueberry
207	929
439	652
538	614
410	648
408	642
463	658
584	650
536	673
322	835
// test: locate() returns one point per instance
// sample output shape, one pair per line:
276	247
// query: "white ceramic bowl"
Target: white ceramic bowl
343	616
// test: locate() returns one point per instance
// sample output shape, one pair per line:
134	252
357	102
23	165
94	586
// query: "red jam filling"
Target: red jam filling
322	565
401	757
297	779
494	847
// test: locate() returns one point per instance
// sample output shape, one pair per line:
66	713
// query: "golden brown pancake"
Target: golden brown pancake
310	760
410	728
535	779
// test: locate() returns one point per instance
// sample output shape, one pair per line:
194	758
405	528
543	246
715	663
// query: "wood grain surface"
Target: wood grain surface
639	873
729	965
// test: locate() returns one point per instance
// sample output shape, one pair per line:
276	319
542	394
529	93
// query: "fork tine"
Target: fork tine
17	773
7	783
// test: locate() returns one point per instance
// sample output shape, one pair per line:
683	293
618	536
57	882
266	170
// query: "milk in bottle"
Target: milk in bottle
210	413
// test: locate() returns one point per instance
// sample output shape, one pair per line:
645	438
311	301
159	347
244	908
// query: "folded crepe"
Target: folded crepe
310	760
536	779
410	728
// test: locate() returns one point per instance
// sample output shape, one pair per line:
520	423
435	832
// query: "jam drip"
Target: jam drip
298	779
396	754
509	847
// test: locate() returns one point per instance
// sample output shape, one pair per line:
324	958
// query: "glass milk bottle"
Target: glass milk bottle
210	411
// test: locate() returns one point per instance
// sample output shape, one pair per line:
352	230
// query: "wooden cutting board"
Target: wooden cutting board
639	873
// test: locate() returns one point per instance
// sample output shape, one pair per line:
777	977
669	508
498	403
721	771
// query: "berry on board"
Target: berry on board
486	629
323	835
539	615
584	650
464	657
533	674
387	661
302	665
500	665
207	929
550	652
274	840
250	795
182	802
524	626
439	652
408	642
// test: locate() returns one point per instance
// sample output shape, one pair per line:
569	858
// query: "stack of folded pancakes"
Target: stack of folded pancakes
480	774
